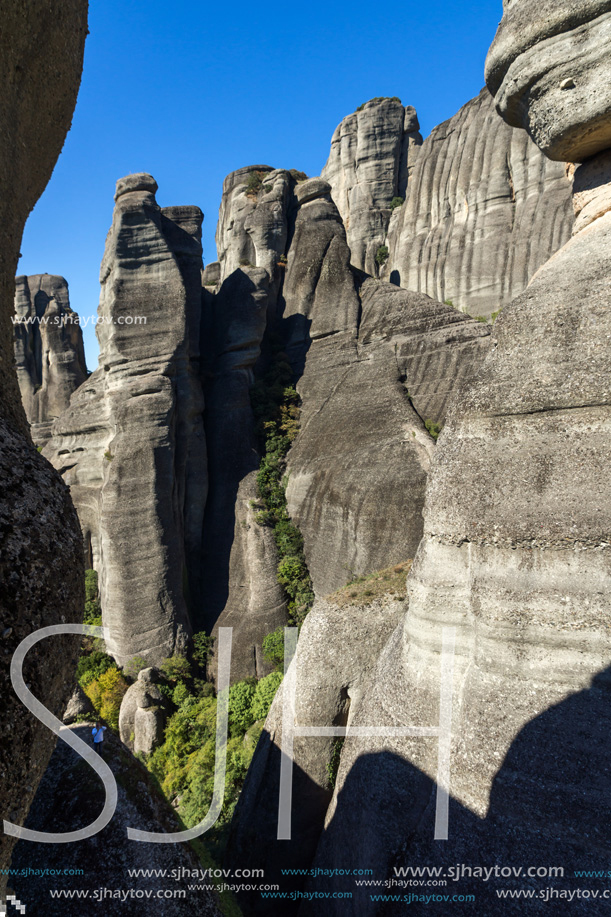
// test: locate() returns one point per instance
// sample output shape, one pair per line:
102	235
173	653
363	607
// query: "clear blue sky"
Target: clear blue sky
189	91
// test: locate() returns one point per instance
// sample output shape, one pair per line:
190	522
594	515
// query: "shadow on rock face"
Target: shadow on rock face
550	806
71	796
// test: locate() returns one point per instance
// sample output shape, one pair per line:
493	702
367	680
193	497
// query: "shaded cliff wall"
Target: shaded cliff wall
41	567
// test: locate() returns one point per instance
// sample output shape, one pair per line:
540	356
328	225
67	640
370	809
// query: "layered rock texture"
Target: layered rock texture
372	157
48	350
338	646
131	446
41	568
373	364
549	61
484	209
516	557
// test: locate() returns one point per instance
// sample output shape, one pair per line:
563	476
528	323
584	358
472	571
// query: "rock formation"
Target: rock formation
372	157
240	588
131	446
516	554
374	364
368	359
483	208
143	714
41	569
48	350
70	796
339	643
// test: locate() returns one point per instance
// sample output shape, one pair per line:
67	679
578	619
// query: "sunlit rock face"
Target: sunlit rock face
549	69
516	551
131	445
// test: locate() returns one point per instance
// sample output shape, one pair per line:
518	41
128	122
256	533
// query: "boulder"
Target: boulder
79	706
549	71
372	156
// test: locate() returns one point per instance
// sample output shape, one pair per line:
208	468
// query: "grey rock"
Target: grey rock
49	354
372	155
360	349
252	225
143	714
79	706
516	556
239	559
41	571
69	798
131	446
550	73
484	210
338	645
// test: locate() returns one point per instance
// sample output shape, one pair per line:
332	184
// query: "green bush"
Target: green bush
93	612
495	315
379	99
241	696
254	182
92	666
135	666
273	648
333	765
276	407
176	667
382	255
180	694
433	428
264	695
396	202
106	693
203	645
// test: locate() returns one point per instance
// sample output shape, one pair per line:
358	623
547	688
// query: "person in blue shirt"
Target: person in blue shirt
97	734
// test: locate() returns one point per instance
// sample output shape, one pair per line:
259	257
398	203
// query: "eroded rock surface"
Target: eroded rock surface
516	557
41	567
484	210
239	560
48	350
338	645
374	364
372	156
131	446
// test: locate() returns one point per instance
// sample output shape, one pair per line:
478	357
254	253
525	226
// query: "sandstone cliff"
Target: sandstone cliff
372	364
131	446
48	350
372	157
515	556
41	568
484	209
